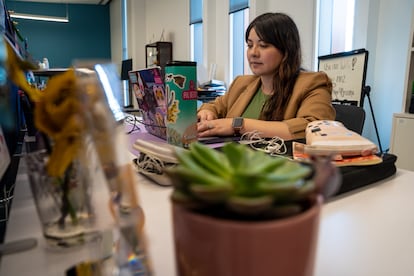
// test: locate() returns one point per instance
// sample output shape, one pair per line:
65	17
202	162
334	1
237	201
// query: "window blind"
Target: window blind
238	5
196	11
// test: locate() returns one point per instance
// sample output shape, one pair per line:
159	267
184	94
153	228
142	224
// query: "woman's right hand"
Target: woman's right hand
206	115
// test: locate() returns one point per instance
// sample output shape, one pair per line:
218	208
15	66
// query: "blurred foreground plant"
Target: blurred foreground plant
239	181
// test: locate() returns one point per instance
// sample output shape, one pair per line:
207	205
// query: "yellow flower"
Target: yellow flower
58	114
15	71
57	111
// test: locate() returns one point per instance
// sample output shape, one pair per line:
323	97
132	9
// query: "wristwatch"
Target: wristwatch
237	125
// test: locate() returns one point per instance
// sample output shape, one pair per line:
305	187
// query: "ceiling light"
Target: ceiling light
39	17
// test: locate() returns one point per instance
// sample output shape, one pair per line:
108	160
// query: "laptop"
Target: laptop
149	90
151	96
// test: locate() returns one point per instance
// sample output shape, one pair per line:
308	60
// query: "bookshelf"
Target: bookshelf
158	54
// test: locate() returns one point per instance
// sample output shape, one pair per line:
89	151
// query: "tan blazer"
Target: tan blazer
311	100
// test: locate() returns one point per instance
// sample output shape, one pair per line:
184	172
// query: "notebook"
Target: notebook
149	90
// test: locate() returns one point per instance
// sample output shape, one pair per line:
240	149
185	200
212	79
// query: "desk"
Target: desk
368	232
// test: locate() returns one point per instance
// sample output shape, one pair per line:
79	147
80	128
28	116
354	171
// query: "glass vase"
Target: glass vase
63	203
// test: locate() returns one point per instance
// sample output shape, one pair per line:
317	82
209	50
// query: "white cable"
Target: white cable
149	164
274	146
251	137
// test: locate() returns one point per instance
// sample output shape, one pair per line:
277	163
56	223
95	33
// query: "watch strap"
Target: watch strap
237	125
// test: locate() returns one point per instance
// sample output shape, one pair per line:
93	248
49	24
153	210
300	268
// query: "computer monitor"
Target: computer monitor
127	93
126	67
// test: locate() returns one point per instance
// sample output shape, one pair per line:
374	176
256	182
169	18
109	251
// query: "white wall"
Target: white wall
158	20
303	13
116	31
216	39
386	35
148	21
137	32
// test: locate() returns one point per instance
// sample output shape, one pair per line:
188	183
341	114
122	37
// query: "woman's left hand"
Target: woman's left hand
218	127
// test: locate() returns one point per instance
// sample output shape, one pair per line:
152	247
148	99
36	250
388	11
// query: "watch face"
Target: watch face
237	122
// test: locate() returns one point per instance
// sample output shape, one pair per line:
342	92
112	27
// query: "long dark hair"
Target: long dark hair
279	30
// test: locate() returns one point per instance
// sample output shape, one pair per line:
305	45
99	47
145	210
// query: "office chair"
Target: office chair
352	116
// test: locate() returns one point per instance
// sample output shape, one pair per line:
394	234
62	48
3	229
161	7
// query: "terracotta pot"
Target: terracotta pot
206	245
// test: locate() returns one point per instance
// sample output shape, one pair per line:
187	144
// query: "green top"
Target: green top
255	106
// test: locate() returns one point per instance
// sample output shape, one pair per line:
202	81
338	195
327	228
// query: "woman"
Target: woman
280	99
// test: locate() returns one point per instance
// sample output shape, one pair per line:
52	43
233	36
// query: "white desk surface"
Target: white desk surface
368	232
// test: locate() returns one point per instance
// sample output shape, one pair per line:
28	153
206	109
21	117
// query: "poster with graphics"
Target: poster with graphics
4	154
347	71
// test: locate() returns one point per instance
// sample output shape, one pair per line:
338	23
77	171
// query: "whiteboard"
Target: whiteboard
347	71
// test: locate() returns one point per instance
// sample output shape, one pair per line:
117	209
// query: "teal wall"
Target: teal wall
85	37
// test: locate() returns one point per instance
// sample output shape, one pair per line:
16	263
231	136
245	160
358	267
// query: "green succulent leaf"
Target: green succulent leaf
264	166
212	194
250	205
306	190
242	157
288	171
180	196
185	159
241	179
281	187
211	159
199	176
185	199
235	155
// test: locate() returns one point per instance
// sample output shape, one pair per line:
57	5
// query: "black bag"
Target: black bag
354	177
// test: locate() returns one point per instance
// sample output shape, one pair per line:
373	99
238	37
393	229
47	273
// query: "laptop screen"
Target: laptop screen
149	90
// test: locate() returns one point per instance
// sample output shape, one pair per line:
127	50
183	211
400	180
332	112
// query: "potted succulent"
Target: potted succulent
237	211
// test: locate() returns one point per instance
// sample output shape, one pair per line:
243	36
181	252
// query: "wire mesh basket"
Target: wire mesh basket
6	196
